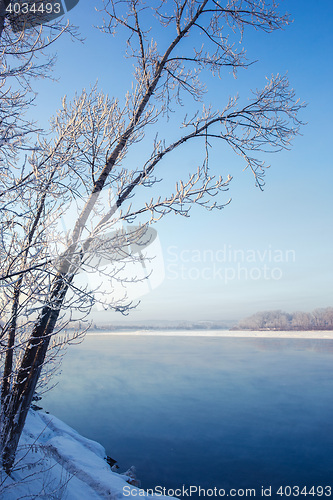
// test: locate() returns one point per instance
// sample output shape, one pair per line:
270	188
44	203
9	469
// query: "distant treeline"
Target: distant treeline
319	319
154	325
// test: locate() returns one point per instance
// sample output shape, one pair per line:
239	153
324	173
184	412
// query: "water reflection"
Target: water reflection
223	412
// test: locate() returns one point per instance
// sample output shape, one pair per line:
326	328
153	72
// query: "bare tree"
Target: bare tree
85	156
24	58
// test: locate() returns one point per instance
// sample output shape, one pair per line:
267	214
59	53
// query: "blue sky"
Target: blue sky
203	277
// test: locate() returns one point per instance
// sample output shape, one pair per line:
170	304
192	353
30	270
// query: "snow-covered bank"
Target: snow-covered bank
55	462
293	334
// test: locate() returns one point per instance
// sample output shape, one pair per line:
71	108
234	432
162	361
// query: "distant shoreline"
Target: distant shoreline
307	334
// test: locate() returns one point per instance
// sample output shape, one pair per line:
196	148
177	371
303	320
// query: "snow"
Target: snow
292	334
55	462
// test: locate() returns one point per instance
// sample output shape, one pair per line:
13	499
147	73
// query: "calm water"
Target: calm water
207	411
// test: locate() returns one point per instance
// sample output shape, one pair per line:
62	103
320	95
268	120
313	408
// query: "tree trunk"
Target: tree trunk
2	15
16	405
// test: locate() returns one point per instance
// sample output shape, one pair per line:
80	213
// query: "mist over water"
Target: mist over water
208	411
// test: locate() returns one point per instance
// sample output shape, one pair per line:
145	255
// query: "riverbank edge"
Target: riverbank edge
55	461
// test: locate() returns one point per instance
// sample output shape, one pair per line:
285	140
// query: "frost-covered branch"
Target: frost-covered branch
82	172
